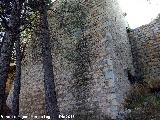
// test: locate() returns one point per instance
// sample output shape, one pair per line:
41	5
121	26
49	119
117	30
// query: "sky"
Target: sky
140	12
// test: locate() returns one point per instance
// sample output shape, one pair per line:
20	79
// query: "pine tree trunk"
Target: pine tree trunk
6	50
6	53
17	81
49	84
3	38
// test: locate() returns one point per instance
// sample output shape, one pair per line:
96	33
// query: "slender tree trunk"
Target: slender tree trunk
49	84
3	38
17	81
6	53
6	50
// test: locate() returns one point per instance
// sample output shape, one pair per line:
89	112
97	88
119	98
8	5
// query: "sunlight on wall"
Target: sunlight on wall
140	12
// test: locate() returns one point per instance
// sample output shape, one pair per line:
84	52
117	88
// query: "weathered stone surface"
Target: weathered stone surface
92	86
145	42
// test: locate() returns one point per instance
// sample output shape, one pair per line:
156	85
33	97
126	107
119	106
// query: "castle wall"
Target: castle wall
145	42
108	58
32	99
89	66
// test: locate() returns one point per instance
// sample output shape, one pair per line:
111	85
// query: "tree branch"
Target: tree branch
4	22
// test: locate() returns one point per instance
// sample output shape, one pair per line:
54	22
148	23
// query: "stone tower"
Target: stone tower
89	66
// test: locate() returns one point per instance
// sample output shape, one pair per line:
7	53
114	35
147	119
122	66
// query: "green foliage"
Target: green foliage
158	18
49	3
147	107
34	4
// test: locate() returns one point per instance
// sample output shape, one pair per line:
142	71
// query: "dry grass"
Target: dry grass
143	103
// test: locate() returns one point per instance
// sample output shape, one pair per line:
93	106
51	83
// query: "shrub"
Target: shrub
143	103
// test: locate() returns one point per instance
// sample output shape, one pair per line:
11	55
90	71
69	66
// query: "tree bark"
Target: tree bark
49	84
6	50
3	38
6	53
17	81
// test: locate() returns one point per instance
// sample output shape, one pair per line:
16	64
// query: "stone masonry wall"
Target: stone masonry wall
108	58
89	66
145	42
32	100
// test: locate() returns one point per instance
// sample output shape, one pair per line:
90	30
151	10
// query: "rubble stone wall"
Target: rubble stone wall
89	66
108	59
145	42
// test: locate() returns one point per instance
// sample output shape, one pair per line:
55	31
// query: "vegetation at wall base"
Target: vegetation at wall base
143	103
